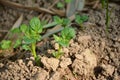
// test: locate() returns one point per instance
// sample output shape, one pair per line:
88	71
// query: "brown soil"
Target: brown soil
92	54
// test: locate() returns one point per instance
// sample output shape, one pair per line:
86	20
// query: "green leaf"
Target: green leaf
15	30
68	1
80	19
66	22
28	40
68	33
26	47
23	28
58	20
36	25
17	43
61	41
60	5
5	44
84	18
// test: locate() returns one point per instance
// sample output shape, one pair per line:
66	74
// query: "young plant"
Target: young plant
105	5
80	20
66	35
31	36
64	22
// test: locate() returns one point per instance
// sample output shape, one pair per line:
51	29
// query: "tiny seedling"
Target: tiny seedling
64	22
105	5
80	20
31	36
66	35
61	5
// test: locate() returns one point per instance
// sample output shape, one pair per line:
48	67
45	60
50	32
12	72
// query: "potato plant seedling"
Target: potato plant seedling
66	35
30	35
80	20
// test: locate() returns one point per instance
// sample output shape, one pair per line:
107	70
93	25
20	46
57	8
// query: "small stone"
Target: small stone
66	50
50	63
65	62
41	75
30	63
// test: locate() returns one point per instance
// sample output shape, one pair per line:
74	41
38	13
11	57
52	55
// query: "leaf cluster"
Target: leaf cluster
66	35
31	32
62	21
80	19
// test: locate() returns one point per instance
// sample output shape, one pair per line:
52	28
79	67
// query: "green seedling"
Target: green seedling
31	36
64	22
80	20
66	35
105	6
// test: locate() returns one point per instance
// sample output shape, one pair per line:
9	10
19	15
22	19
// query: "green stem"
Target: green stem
107	16
59	50
50	25
33	48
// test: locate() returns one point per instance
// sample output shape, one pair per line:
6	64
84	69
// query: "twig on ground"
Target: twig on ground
16	5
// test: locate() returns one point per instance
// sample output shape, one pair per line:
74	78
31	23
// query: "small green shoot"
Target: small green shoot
63	22
66	35
31	36
80	20
105	6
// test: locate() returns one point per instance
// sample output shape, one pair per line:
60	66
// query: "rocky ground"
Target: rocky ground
92	54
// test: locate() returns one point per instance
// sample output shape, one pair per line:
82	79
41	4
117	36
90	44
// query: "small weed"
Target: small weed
80	20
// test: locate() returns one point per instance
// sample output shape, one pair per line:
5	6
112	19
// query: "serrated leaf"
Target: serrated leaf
61	41
68	33
58	20
36	25
80	19
66	22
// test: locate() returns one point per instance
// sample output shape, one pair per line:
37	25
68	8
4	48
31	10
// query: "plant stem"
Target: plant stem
50	25
33	48
107	16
